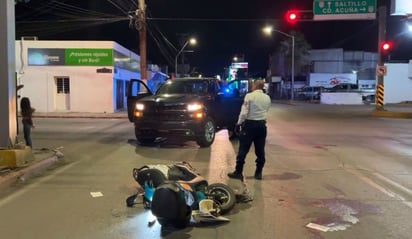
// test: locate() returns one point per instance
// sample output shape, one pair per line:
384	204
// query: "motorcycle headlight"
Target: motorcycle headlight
139	106
194	107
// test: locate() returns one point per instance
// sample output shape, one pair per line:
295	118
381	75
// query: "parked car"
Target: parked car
368	94
185	108
310	92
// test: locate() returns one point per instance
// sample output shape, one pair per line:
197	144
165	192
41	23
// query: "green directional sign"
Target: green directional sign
344	9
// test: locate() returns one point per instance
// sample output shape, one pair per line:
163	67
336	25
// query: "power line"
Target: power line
214	19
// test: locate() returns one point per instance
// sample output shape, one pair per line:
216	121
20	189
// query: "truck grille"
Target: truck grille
166	113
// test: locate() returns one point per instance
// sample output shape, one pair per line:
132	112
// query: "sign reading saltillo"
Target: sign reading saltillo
344	9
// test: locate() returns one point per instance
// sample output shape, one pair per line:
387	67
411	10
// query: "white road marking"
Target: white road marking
22	191
381	188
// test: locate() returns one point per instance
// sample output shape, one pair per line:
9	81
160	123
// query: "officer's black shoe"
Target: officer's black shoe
235	175
258	176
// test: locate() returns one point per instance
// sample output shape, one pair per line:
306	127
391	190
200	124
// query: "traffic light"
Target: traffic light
386	46
292	16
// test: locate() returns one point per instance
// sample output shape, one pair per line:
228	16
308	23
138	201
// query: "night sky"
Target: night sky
223	29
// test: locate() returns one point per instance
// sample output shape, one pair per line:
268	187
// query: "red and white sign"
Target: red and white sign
329	80
239	65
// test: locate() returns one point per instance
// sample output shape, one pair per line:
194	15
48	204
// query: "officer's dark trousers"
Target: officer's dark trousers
253	131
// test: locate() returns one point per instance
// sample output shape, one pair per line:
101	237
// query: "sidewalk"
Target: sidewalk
115	115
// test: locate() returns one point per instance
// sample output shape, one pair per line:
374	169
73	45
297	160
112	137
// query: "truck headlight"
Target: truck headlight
139	106
138	112
194	107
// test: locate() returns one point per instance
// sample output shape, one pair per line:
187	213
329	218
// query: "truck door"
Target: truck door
229	103
136	89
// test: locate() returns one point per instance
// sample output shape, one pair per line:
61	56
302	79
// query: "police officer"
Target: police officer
252	124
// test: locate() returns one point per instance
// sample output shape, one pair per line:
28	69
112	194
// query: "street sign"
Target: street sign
381	71
344	9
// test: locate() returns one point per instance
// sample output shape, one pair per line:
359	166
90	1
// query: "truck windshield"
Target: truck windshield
184	87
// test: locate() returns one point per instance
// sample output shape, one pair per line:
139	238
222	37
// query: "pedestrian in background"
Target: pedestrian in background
27	114
252	124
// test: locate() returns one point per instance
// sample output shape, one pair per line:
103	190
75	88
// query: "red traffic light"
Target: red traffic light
386	46
292	16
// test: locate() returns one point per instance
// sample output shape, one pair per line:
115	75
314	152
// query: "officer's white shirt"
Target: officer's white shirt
255	106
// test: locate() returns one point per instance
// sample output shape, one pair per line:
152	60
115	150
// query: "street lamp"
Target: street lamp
268	31
191	41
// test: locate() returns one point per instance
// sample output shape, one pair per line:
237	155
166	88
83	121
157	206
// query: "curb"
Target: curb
391	114
80	116
26	173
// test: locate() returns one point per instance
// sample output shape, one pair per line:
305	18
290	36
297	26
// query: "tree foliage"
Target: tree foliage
302	48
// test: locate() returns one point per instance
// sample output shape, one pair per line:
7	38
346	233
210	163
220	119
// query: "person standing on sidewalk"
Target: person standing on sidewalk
26	114
252	124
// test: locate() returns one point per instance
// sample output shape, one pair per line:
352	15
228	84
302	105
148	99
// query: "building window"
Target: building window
63	85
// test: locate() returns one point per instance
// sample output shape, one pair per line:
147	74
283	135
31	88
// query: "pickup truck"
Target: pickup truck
184	108
368	94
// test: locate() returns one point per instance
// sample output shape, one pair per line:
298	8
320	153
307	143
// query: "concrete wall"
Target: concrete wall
337	98
398	86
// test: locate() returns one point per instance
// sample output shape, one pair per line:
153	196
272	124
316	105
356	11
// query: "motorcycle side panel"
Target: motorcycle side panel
169	202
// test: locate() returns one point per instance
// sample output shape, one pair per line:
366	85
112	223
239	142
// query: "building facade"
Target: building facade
78	76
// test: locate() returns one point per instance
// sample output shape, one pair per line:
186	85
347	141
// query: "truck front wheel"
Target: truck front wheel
207	134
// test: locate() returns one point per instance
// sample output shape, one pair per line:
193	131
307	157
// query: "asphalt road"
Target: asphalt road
335	168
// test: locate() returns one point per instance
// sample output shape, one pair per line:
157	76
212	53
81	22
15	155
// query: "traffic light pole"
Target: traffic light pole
379	95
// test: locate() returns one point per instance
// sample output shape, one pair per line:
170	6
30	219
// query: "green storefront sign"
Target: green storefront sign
344	9
88	57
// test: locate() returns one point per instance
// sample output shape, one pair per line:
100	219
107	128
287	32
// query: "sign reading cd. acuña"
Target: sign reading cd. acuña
344	9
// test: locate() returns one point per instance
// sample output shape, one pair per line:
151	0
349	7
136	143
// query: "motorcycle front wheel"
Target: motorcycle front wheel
222	195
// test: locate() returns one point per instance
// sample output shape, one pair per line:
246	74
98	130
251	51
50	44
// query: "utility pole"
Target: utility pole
142	38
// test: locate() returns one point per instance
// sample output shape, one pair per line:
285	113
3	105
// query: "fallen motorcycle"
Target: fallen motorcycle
173	192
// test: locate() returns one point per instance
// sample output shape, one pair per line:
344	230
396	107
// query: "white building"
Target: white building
398	83
77	76
336	60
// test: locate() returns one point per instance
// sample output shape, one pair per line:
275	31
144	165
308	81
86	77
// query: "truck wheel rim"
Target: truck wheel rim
209	131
